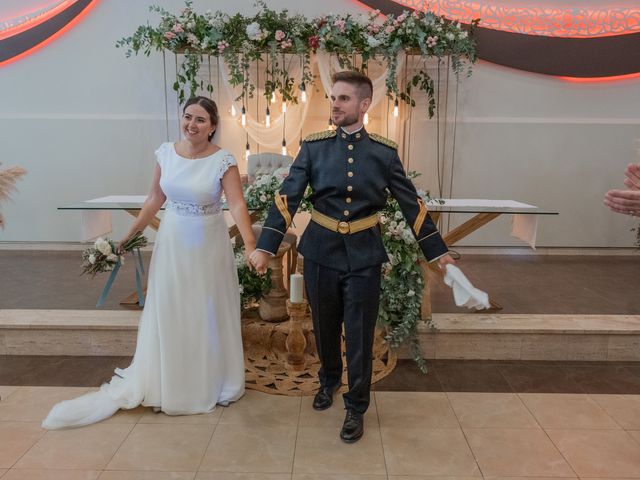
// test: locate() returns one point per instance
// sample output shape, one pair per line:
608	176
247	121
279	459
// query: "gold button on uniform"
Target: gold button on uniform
350	174
348	200
349	188
346	213
350	147
350	160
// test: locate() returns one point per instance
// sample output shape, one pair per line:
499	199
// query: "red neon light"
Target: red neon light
556	21
36	20
53	37
631	76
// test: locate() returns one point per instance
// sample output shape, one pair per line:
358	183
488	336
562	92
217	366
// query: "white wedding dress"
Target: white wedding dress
189	350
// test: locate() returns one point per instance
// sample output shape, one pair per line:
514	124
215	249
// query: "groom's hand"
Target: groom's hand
260	260
445	260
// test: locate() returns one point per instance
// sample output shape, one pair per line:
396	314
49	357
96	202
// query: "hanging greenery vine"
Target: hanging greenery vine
283	37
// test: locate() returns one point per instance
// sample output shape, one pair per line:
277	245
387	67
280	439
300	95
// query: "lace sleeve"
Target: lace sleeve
228	160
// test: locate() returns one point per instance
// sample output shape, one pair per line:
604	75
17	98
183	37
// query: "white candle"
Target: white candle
295	288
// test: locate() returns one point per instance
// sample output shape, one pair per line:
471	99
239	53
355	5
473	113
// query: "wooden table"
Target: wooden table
484	211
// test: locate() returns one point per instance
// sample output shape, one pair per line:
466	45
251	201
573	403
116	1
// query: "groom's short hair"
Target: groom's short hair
362	83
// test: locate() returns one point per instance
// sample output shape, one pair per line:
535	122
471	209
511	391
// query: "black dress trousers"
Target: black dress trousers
351	298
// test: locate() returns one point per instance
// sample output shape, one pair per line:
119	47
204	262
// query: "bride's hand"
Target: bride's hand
119	249
248	251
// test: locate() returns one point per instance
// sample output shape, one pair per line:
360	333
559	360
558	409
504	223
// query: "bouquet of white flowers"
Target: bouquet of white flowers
103	256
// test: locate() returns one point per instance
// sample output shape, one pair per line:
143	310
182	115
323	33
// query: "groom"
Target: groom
350	172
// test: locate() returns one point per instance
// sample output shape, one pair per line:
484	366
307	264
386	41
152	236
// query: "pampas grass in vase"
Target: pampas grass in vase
8	179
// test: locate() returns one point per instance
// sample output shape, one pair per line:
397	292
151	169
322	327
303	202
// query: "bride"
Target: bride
189	350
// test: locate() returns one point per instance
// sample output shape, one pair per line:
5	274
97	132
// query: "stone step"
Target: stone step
449	336
531	337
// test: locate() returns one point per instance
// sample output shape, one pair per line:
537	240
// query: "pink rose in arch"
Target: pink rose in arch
222	45
280	35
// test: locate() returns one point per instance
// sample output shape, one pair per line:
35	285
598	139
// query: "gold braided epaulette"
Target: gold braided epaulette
383	140
322	135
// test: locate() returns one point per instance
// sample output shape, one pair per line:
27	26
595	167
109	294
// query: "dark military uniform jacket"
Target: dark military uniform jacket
350	175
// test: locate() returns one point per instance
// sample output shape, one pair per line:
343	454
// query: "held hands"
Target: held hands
249	248
248	251
259	260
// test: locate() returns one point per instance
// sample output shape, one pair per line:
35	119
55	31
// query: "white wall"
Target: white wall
84	121
542	140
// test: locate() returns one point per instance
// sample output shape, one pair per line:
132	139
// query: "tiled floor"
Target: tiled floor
409	435
464	420
533	284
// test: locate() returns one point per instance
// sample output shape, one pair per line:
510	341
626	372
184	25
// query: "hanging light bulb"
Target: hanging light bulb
366	118
303	93
284	107
267	118
273	96
244	117
234	112
395	108
284	147
247	151
330	126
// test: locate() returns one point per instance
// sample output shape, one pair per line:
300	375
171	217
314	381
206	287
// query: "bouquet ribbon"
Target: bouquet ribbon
137	256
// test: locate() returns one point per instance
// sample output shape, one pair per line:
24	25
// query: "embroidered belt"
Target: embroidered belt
344	227
193	209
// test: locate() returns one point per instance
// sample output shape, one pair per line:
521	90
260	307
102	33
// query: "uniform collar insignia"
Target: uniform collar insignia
353	137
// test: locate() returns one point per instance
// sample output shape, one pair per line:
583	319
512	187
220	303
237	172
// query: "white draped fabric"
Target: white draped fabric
322	64
270	137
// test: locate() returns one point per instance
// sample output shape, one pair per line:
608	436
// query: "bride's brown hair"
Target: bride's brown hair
209	105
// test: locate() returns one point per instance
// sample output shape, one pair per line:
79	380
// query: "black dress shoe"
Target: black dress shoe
353	427
323	399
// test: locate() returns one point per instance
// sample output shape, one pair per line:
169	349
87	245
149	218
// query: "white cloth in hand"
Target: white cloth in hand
464	293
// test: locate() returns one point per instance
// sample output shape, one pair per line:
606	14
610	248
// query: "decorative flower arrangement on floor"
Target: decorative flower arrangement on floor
103	256
252	284
241	40
402	283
